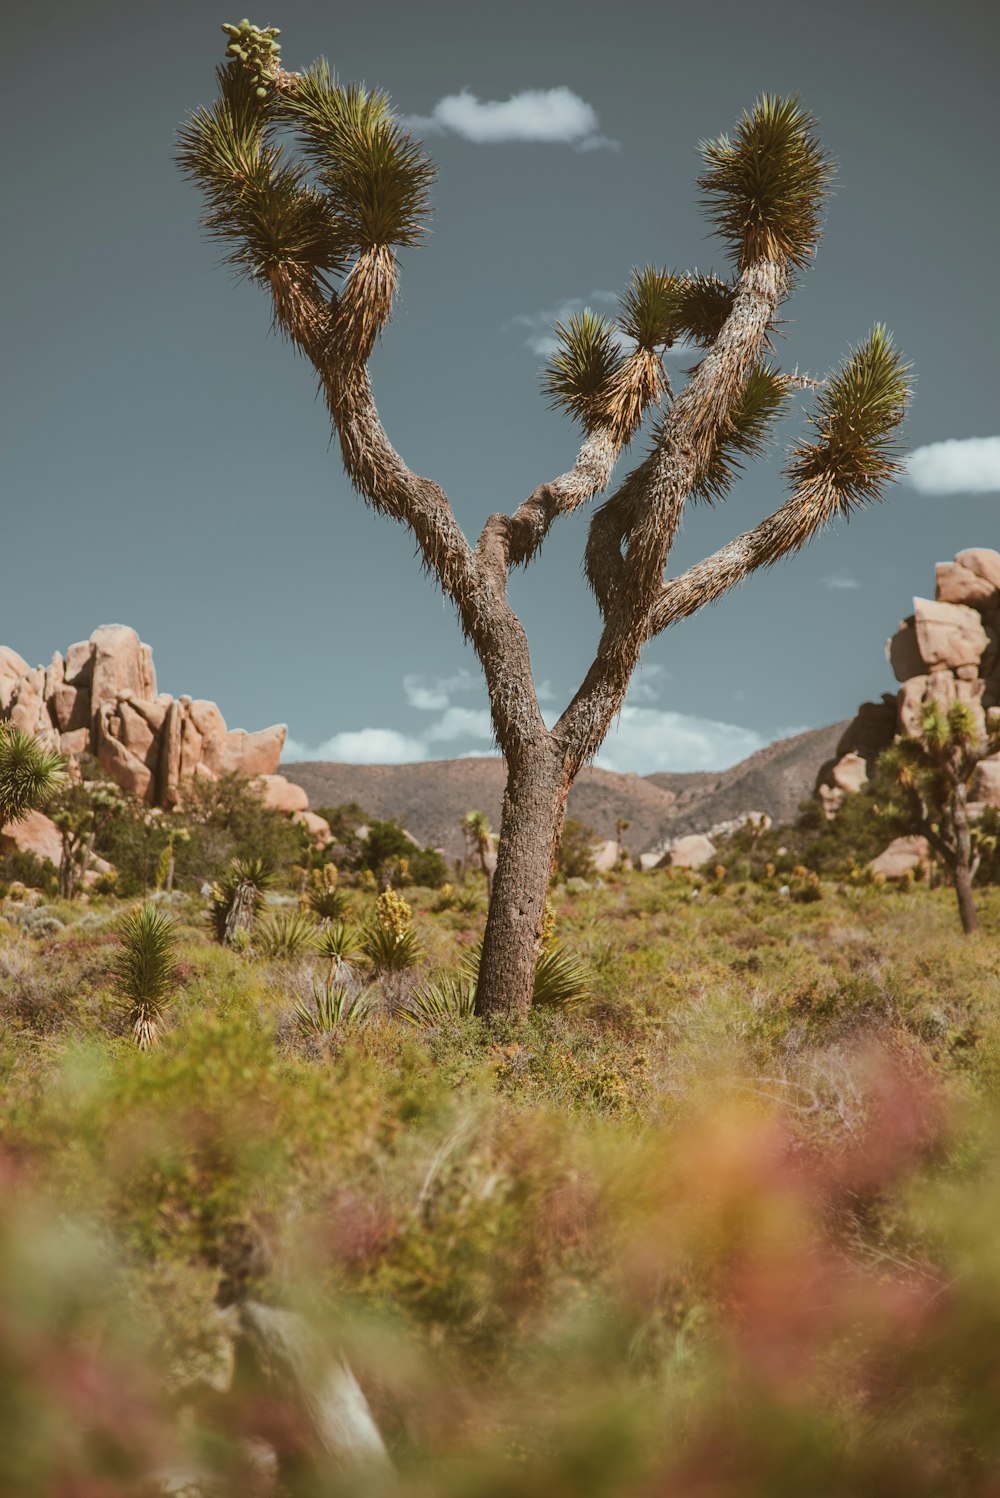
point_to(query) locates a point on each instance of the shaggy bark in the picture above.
(534, 807)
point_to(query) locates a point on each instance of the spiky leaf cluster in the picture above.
(856, 419)
(764, 187)
(648, 307)
(286, 935)
(333, 1005)
(376, 177)
(745, 433)
(261, 207)
(578, 376)
(29, 774)
(255, 51)
(438, 1002)
(145, 971)
(703, 304)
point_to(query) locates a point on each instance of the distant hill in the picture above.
(429, 798)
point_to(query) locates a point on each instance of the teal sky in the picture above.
(165, 462)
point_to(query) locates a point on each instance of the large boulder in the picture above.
(955, 583)
(120, 663)
(35, 833)
(904, 855)
(281, 795)
(254, 753)
(691, 852)
(12, 668)
(984, 564)
(941, 687)
(937, 636)
(317, 827)
(986, 784)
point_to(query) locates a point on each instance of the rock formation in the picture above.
(947, 650)
(101, 698)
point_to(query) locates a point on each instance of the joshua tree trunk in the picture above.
(962, 864)
(534, 807)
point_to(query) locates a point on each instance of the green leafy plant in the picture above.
(29, 774)
(145, 971)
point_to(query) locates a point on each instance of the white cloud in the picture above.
(538, 326)
(461, 723)
(647, 683)
(432, 693)
(362, 746)
(840, 582)
(966, 465)
(553, 116)
(648, 739)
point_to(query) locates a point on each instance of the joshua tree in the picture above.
(29, 774)
(319, 232)
(478, 841)
(932, 774)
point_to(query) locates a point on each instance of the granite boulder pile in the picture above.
(101, 699)
(947, 650)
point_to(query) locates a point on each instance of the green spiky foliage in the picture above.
(648, 307)
(562, 980)
(436, 1003)
(337, 942)
(259, 205)
(286, 935)
(746, 431)
(233, 901)
(764, 187)
(389, 951)
(856, 419)
(29, 774)
(578, 377)
(328, 903)
(145, 971)
(376, 177)
(332, 1007)
(703, 304)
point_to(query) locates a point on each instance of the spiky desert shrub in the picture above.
(234, 900)
(285, 935)
(332, 1006)
(145, 971)
(434, 1003)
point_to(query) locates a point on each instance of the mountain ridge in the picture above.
(430, 796)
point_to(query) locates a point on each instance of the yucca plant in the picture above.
(387, 950)
(285, 935)
(145, 971)
(332, 1006)
(436, 1002)
(234, 901)
(318, 227)
(29, 774)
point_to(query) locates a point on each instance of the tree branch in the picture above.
(787, 530)
(380, 475)
(513, 540)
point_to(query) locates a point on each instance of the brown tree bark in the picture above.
(534, 808)
(962, 864)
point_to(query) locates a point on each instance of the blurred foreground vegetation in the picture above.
(727, 1228)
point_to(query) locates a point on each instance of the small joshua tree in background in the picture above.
(146, 971)
(932, 775)
(235, 901)
(479, 843)
(29, 774)
(320, 232)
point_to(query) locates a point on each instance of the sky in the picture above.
(165, 462)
